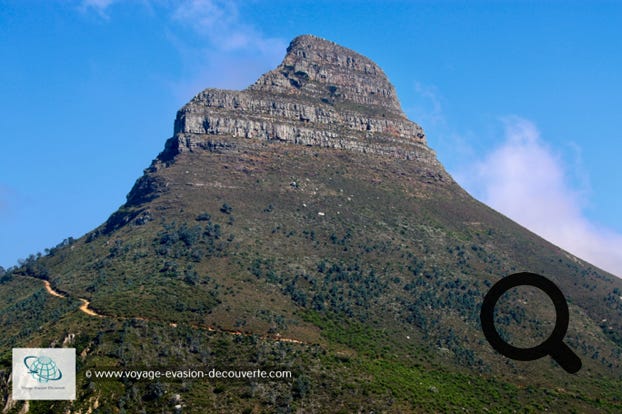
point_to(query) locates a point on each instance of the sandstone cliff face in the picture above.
(313, 65)
(322, 94)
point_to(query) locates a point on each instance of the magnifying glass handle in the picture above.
(566, 358)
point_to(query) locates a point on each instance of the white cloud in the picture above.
(219, 21)
(218, 48)
(526, 181)
(99, 6)
(431, 109)
(207, 16)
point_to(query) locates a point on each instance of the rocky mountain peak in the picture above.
(320, 68)
(322, 94)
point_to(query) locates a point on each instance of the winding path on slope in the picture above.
(85, 303)
(85, 309)
(51, 291)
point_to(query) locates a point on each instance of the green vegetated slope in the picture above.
(275, 232)
(379, 271)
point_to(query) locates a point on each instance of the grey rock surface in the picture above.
(322, 94)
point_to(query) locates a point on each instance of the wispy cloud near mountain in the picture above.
(525, 180)
(232, 51)
(217, 47)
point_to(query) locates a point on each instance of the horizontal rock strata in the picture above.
(322, 94)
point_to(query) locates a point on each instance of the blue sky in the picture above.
(520, 99)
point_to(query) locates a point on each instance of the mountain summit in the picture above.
(304, 224)
(322, 69)
(322, 94)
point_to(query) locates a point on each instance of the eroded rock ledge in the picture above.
(322, 94)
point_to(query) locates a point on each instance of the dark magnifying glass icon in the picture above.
(554, 345)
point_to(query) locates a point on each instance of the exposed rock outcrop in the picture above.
(322, 94)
